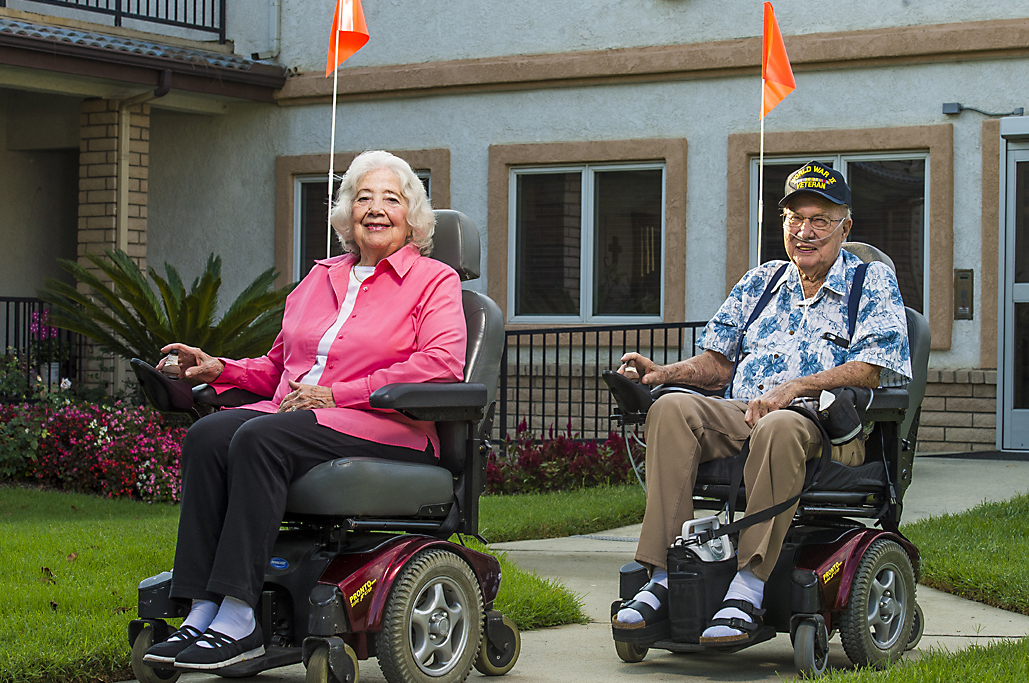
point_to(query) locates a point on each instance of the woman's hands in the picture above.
(194, 365)
(307, 397)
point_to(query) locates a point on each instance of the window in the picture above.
(310, 220)
(586, 243)
(889, 194)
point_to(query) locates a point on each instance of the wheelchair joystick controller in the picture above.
(171, 364)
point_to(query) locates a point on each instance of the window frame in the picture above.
(425, 175)
(315, 166)
(840, 162)
(937, 138)
(589, 174)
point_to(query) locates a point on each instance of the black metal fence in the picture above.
(33, 350)
(550, 377)
(201, 15)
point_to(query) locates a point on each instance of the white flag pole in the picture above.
(332, 138)
(761, 174)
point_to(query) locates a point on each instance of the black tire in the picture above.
(917, 627)
(630, 653)
(876, 624)
(432, 622)
(491, 661)
(318, 670)
(811, 648)
(143, 671)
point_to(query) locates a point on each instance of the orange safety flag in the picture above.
(348, 35)
(775, 65)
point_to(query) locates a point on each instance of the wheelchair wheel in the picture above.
(811, 648)
(630, 653)
(432, 622)
(876, 624)
(496, 659)
(917, 627)
(143, 671)
(318, 670)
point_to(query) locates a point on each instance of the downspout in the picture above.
(274, 30)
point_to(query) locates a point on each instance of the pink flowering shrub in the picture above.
(558, 463)
(118, 451)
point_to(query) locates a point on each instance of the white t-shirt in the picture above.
(358, 274)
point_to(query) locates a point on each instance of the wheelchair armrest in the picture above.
(230, 398)
(433, 402)
(163, 393)
(888, 404)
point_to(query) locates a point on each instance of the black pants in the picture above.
(236, 469)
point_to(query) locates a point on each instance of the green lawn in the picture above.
(998, 663)
(72, 562)
(979, 554)
(565, 513)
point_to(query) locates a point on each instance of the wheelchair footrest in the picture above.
(272, 658)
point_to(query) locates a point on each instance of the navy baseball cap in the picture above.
(819, 179)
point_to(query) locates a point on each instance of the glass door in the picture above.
(1014, 384)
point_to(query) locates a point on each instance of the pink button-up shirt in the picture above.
(407, 326)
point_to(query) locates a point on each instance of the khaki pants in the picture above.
(684, 430)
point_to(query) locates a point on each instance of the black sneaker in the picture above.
(166, 651)
(222, 650)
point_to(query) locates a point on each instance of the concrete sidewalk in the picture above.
(589, 566)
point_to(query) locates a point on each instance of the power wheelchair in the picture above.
(362, 566)
(835, 572)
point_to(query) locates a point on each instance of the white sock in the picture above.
(235, 619)
(745, 586)
(200, 616)
(631, 616)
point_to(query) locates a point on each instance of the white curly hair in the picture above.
(420, 218)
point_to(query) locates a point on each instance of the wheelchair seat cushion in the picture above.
(869, 477)
(369, 487)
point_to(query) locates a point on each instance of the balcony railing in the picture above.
(200, 15)
(35, 350)
(550, 377)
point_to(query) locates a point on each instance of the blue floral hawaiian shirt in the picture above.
(786, 342)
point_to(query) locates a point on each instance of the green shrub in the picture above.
(558, 463)
(130, 320)
(118, 451)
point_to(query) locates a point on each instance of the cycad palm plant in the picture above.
(131, 320)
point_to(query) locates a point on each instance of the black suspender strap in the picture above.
(766, 296)
(855, 298)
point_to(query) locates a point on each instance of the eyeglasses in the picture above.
(820, 223)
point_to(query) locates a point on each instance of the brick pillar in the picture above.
(114, 157)
(108, 218)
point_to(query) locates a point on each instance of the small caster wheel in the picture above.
(497, 657)
(917, 627)
(811, 648)
(630, 652)
(318, 670)
(143, 671)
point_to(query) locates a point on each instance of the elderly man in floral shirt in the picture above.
(797, 347)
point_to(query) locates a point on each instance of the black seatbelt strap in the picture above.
(766, 296)
(810, 480)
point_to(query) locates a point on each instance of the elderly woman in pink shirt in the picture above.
(379, 314)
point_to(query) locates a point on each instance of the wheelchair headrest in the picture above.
(456, 243)
(868, 253)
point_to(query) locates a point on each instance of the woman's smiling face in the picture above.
(380, 216)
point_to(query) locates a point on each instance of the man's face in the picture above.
(812, 249)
